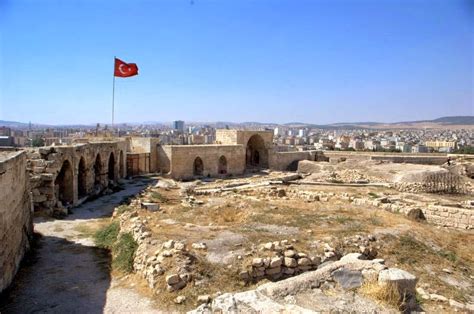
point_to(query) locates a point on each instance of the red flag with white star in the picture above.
(123, 69)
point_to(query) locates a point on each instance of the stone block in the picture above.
(403, 280)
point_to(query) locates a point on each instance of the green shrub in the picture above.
(106, 237)
(124, 252)
(122, 209)
(123, 247)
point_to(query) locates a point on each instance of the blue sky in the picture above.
(240, 60)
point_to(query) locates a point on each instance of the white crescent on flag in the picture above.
(124, 69)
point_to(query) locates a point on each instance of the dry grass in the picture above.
(386, 294)
(253, 214)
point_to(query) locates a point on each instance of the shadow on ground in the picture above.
(59, 276)
(62, 276)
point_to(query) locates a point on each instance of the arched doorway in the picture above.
(222, 166)
(256, 153)
(64, 184)
(98, 170)
(121, 170)
(82, 178)
(198, 167)
(111, 170)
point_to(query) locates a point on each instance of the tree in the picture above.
(37, 142)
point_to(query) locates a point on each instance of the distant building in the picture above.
(4, 131)
(178, 125)
(419, 149)
(442, 145)
(6, 141)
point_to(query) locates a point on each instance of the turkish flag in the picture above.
(123, 69)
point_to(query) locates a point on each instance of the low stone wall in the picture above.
(462, 218)
(16, 225)
(289, 160)
(415, 158)
(423, 160)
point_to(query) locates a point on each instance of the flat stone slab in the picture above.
(348, 279)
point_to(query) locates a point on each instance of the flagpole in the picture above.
(113, 96)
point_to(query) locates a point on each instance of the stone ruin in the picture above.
(65, 176)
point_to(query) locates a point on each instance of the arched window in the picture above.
(198, 167)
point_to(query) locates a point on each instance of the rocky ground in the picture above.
(268, 240)
(200, 239)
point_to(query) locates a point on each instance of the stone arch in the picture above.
(82, 178)
(222, 165)
(198, 167)
(293, 166)
(64, 185)
(111, 167)
(256, 154)
(98, 170)
(121, 165)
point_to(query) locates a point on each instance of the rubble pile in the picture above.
(169, 261)
(282, 261)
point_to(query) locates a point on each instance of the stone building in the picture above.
(235, 152)
(64, 176)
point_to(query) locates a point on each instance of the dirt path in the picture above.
(67, 273)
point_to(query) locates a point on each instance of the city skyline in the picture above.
(241, 61)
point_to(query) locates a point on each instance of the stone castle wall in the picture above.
(87, 170)
(183, 157)
(16, 225)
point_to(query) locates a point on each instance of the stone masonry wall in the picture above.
(283, 160)
(16, 225)
(146, 145)
(164, 158)
(453, 217)
(233, 137)
(183, 156)
(45, 164)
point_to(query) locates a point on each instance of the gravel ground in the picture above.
(66, 273)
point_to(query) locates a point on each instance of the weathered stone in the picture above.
(272, 271)
(438, 298)
(304, 261)
(168, 244)
(289, 253)
(180, 299)
(172, 279)
(199, 246)
(403, 280)
(276, 261)
(257, 262)
(268, 246)
(244, 275)
(348, 279)
(203, 299)
(289, 262)
(179, 246)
